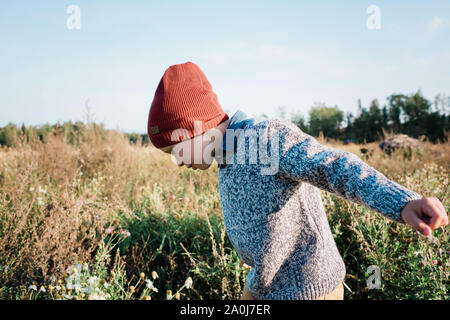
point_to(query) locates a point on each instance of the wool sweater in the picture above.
(276, 222)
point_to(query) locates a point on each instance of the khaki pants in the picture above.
(336, 294)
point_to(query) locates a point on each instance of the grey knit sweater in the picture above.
(277, 222)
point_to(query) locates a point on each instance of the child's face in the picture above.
(192, 153)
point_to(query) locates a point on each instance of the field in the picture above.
(105, 219)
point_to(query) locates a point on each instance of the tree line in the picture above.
(411, 114)
(71, 132)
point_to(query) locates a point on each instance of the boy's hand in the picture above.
(425, 215)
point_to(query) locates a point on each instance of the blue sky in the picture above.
(258, 55)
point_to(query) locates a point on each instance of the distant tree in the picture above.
(416, 107)
(416, 111)
(435, 125)
(8, 135)
(385, 121)
(349, 127)
(325, 119)
(442, 103)
(134, 138)
(299, 120)
(145, 139)
(375, 121)
(43, 132)
(361, 125)
(396, 103)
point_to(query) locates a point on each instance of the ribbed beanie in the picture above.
(183, 95)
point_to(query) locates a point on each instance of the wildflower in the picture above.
(76, 268)
(188, 283)
(169, 295)
(96, 296)
(154, 275)
(435, 262)
(40, 201)
(85, 266)
(86, 290)
(177, 296)
(109, 230)
(32, 287)
(142, 275)
(150, 285)
(42, 190)
(93, 280)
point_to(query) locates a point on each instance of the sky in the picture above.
(258, 55)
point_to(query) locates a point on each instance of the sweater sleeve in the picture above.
(340, 172)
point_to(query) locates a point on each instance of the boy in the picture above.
(269, 176)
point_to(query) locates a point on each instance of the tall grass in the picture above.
(129, 215)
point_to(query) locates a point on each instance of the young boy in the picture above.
(270, 173)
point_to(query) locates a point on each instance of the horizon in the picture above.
(91, 119)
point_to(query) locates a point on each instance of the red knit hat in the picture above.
(184, 95)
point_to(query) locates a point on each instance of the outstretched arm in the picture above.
(346, 175)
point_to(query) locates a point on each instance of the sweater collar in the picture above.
(239, 120)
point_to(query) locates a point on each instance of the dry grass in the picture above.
(58, 200)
